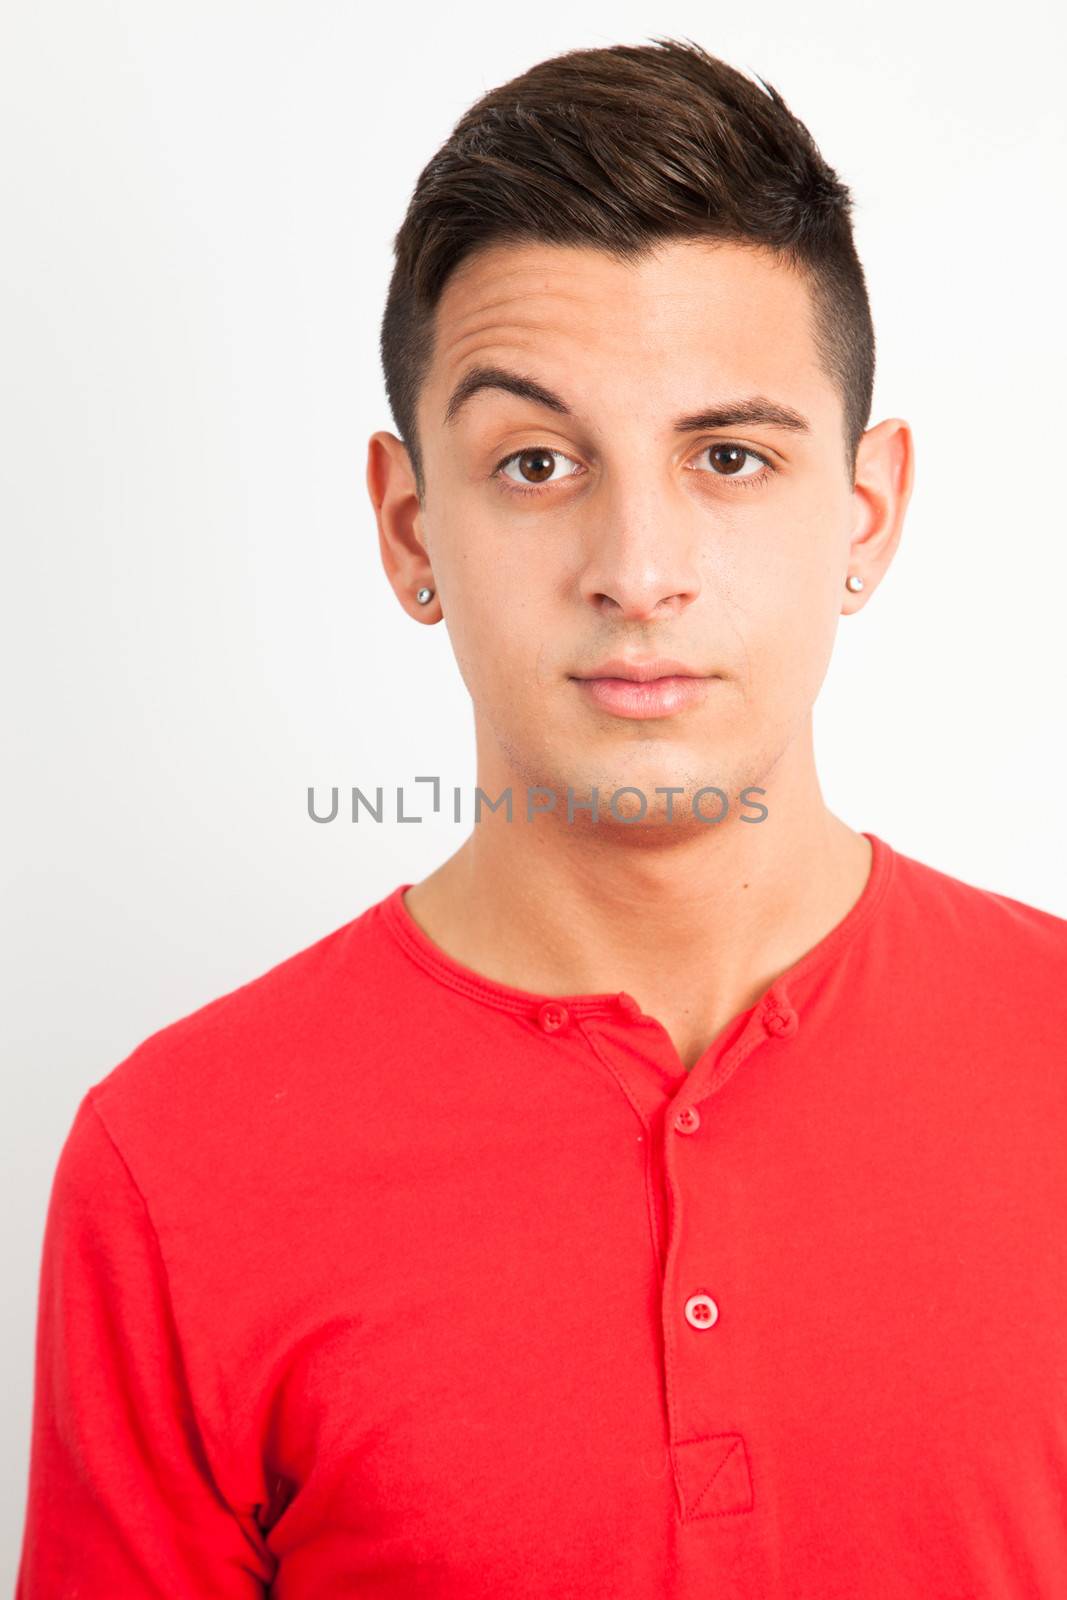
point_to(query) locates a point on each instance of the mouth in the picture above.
(644, 688)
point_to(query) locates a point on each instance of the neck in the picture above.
(693, 920)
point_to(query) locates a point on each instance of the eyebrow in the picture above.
(727, 414)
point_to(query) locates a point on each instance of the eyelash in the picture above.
(540, 488)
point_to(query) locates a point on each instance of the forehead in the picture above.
(698, 315)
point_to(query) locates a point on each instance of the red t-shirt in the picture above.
(377, 1277)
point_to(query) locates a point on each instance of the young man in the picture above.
(666, 1196)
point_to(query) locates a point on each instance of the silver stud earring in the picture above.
(854, 582)
(424, 596)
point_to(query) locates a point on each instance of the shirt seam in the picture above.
(522, 1004)
(645, 1122)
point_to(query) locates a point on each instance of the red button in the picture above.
(687, 1120)
(628, 1004)
(780, 1024)
(552, 1016)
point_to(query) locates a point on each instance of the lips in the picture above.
(642, 689)
(641, 671)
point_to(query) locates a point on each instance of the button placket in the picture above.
(712, 1470)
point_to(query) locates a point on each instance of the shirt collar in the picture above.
(526, 1002)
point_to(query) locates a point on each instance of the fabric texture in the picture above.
(377, 1277)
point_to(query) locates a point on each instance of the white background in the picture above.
(197, 204)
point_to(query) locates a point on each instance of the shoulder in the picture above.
(291, 1023)
(952, 920)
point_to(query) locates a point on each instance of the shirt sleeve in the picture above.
(122, 1500)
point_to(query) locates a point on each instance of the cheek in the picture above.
(498, 600)
(497, 634)
(473, 587)
(790, 612)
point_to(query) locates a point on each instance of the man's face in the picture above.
(632, 525)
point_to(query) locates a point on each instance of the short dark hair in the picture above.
(620, 148)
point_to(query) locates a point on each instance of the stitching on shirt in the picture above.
(650, 1200)
(732, 1511)
(837, 940)
(883, 862)
(729, 1454)
(621, 1081)
(443, 974)
(731, 1061)
(522, 1003)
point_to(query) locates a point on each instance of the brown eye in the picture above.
(730, 457)
(728, 461)
(536, 465)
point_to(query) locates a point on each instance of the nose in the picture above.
(642, 557)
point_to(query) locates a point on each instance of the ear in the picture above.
(394, 496)
(885, 471)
